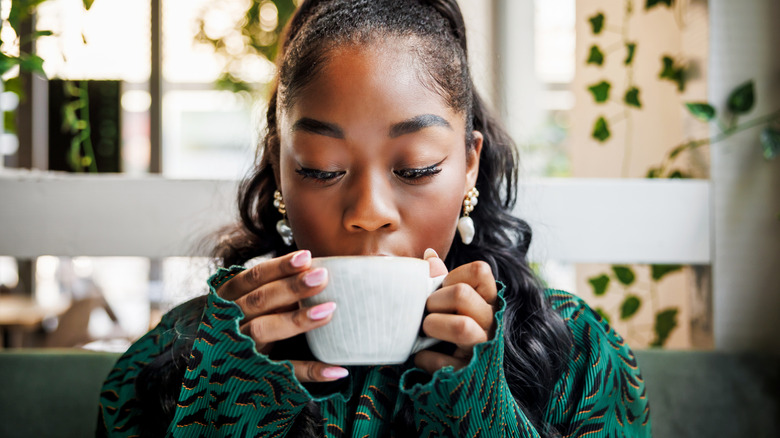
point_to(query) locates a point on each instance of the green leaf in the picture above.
(32, 64)
(770, 143)
(596, 56)
(631, 48)
(16, 15)
(629, 307)
(601, 130)
(602, 313)
(7, 63)
(659, 271)
(599, 284)
(652, 3)
(742, 98)
(653, 172)
(701, 110)
(20, 11)
(632, 97)
(42, 33)
(88, 4)
(597, 23)
(678, 174)
(624, 274)
(665, 322)
(9, 122)
(673, 72)
(600, 91)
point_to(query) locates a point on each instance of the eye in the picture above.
(420, 174)
(321, 176)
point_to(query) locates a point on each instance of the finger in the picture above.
(437, 265)
(277, 326)
(457, 329)
(432, 361)
(265, 272)
(309, 371)
(461, 299)
(479, 276)
(283, 294)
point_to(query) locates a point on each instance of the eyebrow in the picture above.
(408, 126)
(317, 127)
(417, 123)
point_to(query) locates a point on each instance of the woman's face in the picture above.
(371, 161)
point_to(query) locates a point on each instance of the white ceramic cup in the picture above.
(380, 303)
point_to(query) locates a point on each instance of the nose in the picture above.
(370, 204)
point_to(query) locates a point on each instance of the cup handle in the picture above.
(424, 342)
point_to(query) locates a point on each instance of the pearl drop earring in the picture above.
(283, 226)
(465, 223)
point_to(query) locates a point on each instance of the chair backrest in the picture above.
(692, 394)
(574, 220)
(51, 393)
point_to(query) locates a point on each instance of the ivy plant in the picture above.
(622, 280)
(75, 113)
(740, 101)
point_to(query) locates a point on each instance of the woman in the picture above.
(378, 143)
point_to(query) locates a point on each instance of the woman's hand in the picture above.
(461, 312)
(268, 294)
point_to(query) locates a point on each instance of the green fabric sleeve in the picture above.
(228, 386)
(472, 401)
(602, 392)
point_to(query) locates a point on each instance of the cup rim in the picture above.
(366, 257)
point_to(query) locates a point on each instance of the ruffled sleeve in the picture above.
(600, 394)
(472, 401)
(228, 386)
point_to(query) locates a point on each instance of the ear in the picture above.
(472, 161)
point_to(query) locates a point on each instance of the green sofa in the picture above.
(47, 393)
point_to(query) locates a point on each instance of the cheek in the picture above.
(434, 219)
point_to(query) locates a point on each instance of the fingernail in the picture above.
(335, 373)
(321, 311)
(300, 259)
(430, 252)
(315, 277)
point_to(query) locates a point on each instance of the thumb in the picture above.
(436, 264)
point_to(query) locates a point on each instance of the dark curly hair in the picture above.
(537, 341)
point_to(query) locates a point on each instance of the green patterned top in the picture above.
(229, 389)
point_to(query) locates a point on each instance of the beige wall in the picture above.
(640, 139)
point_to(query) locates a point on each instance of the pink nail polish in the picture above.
(335, 373)
(300, 259)
(315, 277)
(321, 311)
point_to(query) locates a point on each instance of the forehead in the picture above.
(379, 81)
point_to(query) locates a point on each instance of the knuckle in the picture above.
(462, 293)
(297, 285)
(299, 318)
(461, 328)
(440, 362)
(258, 329)
(311, 373)
(481, 269)
(255, 275)
(256, 300)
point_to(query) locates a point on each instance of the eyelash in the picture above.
(414, 175)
